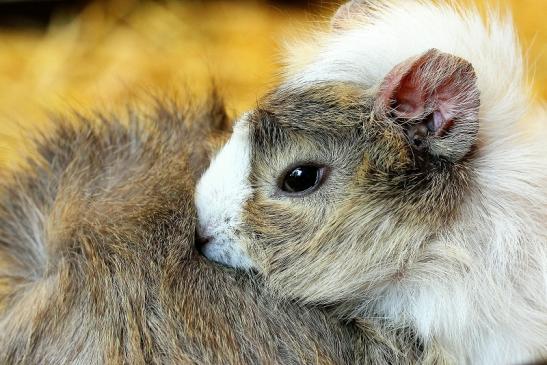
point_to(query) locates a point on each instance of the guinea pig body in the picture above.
(398, 172)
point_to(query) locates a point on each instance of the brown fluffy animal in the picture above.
(98, 266)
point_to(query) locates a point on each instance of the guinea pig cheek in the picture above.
(221, 194)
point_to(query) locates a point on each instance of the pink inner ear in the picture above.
(400, 94)
(408, 100)
(436, 84)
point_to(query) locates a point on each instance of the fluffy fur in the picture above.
(97, 263)
(447, 237)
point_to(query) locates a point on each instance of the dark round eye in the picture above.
(302, 179)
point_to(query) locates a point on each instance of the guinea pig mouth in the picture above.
(200, 242)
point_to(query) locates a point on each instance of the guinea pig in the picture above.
(98, 265)
(398, 172)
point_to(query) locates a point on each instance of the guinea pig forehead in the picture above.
(311, 112)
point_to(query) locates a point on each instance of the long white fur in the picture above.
(490, 307)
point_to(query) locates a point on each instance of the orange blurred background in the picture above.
(111, 52)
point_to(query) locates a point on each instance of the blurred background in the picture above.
(59, 56)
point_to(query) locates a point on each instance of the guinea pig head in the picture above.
(331, 189)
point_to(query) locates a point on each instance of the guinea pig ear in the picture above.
(436, 99)
(348, 11)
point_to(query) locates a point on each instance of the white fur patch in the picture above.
(220, 195)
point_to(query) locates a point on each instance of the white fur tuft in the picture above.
(220, 195)
(392, 31)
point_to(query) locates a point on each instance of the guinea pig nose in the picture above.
(201, 241)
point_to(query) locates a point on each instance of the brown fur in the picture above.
(97, 262)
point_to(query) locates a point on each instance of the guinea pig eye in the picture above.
(302, 179)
